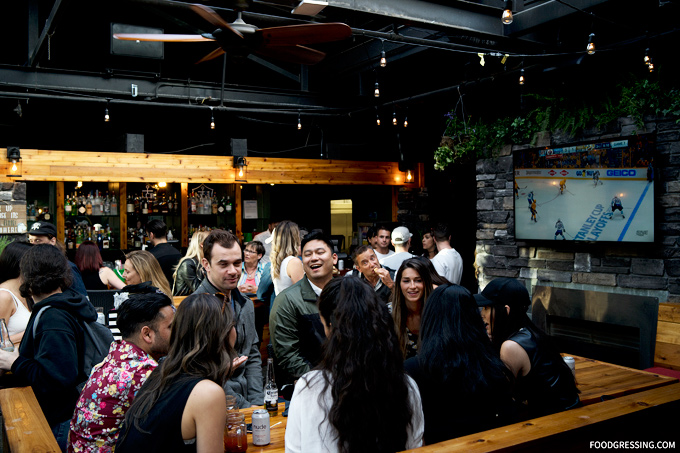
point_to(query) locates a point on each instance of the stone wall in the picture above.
(650, 270)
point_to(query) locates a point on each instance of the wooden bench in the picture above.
(176, 300)
(667, 350)
(24, 426)
(643, 416)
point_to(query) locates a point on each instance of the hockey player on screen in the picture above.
(559, 226)
(616, 205)
(533, 210)
(596, 177)
(516, 191)
(530, 198)
(563, 186)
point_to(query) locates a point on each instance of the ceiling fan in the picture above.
(286, 43)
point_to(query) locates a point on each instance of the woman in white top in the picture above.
(286, 267)
(13, 307)
(358, 398)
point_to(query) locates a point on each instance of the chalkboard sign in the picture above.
(13, 218)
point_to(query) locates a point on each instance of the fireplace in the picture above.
(615, 328)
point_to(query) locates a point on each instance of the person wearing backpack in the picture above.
(51, 356)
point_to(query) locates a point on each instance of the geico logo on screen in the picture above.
(621, 172)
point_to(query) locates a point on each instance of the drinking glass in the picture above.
(5, 343)
(235, 434)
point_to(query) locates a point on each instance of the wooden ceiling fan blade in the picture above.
(162, 37)
(292, 54)
(212, 55)
(291, 35)
(213, 18)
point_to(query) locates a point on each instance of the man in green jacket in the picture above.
(294, 324)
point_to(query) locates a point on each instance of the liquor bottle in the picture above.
(145, 206)
(271, 392)
(214, 205)
(114, 204)
(70, 242)
(164, 205)
(138, 207)
(107, 205)
(67, 206)
(193, 205)
(81, 205)
(130, 205)
(88, 205)
(171, 205)
(230, 206)
(79, 237)
(100, 240)
(96, 204)
(47, 217)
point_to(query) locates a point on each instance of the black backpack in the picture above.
(98, 339)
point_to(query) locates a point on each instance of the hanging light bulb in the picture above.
(212, 119)
(650, 65)
(299, 122)
(406, 121)
(506, 17)
(376, 92)
(383, 59)
(521, 76)
(409, 176)
(394, 118)
(377, 119)
(107, 118)
(591, 44)
(14, 166)
(647, 58)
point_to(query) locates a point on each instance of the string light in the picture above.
(406, 121)
(591, 44)
(506, 17)
(383, 58)
(376, 92)
(650, 65)
(394, 117)
(521, 76)
(212, 119)
(377, 117)
(647, 58)
(107, 118)
(299, 122)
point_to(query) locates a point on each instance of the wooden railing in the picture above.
(24, 426)
(667, 351)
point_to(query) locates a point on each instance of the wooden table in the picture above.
(596, 379)
(277, 432)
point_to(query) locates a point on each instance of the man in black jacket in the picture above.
(167, 255)
(49, 360)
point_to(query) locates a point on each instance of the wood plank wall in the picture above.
(667, 351)
(51, 165)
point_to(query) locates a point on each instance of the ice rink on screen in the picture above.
(585, 210)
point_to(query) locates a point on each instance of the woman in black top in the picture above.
(464, 386)
(182, 406)
(95, 275)
(544, 381)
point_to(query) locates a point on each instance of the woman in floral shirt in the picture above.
(144, 321)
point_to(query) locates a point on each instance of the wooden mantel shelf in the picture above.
(51, 165)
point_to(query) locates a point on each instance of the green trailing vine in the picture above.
(468, 140)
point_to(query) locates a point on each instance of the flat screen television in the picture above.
(598, 191)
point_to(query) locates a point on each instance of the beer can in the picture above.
(261, 433)
(571, 363)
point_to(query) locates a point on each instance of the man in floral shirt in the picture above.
(144, 322)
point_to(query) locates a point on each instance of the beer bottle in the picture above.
(271, 392)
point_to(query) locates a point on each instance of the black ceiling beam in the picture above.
(535, 16)
(99, 88)
(48, 29)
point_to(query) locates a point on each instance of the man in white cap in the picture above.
(401, 240)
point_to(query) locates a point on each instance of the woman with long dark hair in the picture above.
(464, 385)
(14, 307)
(182, 405)
(358, 398)
(408, 299)
(95, 275)
(544, 381)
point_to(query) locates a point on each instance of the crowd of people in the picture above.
(396, 344)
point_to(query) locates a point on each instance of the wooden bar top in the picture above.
(25, 425)
(597, 379)
(278, 432)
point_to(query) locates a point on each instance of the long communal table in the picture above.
(598, 381)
